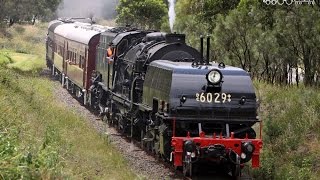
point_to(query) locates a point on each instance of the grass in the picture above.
(30, 40)
(39, 137)
(27, 63)
(25, 46)
(5, 58)
(291, 132)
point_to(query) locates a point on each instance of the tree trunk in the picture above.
(297, 75)
(34, 19)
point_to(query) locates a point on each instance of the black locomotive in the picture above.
(154, 87)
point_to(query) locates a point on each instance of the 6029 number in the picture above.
(213, 97)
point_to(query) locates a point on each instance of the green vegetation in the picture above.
(269, 41)
(39, 137)
(5, 58)
(26, 62)
(30, 40)
(24, 47)
(291, 132)
(18, 11)
(272, 42)
(149, 14)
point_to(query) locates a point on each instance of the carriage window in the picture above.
(68, 55)
(81, 61)
(71, 58)
(60, 50)
(74, 60)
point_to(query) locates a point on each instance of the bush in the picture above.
(4, 59)
(31, 160)
(291, 132)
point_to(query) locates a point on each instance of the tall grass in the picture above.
(25, 47)
(41, 139)
(23, 155)
(26, 39)
(291, 132)
(5, 58)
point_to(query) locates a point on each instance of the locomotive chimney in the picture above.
(175, 38)
(201, 49)
(208, 50)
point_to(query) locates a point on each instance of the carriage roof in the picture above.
(79, 32)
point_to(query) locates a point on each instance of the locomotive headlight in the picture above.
(243, 156)
(247, 151)
(214, 76)
(248, 147)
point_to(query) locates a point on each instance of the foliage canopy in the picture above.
(272, 42)
(13, 11)
(142, 13)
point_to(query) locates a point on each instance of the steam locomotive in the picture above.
(153, 86)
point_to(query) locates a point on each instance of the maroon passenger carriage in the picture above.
(71, 53)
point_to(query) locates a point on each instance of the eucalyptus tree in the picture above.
(142, 13)
(27, 10)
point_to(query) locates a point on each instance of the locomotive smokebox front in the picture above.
(213, 95)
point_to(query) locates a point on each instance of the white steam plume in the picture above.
(84, 8)
(172, 13)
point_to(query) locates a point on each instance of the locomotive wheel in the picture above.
(106, 119)
(121, 124)
(109, 119)
(187, 166)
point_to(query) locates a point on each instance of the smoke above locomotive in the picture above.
(171, 13)
(83, 8)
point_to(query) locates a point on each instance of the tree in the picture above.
(206, 11)
(43, 9)
(27, 10)
(142, 13)
(299, 35)
(236, 35)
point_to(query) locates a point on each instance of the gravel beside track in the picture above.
(139, 161)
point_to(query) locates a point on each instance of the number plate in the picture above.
(213, 97)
